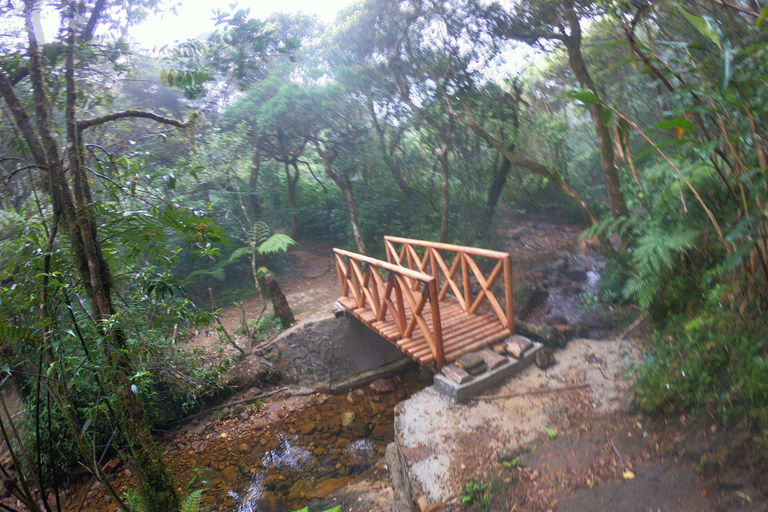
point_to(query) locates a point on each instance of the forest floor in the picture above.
(619, 461)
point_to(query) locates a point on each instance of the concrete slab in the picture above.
(444, 444)
(462, 391)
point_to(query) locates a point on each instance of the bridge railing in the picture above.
(458, 276)
(361, 279)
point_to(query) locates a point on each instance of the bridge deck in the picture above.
(462, 332)
(430, 299)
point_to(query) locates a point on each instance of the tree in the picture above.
(56, 143)
(340, 140)
(537, 22)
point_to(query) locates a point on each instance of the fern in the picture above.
(276, 243)
(218, 273)
(261, 233)
(239, 253)
(653, 252)
(192, 502)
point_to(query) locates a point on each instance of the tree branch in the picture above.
(125, 114)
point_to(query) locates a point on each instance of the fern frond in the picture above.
(261, 232)
(192, 502)
(218, 273)
(239, 253)
(276, 243)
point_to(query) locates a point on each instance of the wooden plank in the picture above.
(437, 328)
(466, 282)
(472, 337)
(478, 344)
(418, 276)
(449, 282)
(474, 251)
(509, 293)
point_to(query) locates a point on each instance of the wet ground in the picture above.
(281, 455)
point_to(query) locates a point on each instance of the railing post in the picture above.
(509, 294)
(465, 278)
(433, 266)
(437, 327)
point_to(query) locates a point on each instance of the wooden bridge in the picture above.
(432, 300)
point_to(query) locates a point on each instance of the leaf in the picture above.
(628, 475)
(763, 15)
(678, 122)
(582, 95)
(552, 433)
(703, 25)
(192, 502)
(276, 243)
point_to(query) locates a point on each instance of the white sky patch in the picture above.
(194, 17)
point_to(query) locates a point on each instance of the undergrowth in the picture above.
(712, 363)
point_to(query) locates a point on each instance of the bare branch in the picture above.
(126, 114)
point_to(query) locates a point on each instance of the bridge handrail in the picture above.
(367, 287)
(432, 259)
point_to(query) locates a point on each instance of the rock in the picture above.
(491, 358)
(566, 331)
(382, 386)
(576, 273)
(308, 429)
(245, 448)
(298, 490)
(545, 358)
(472, 363)
(319, 451)
(347, 418)
(381, 432)
(422, 502)
(517, 345)
(112, 464)
(531, 298)
(272, 502)
(326, 487)
(350, 398)
(199, 429)
(546, 334)
(378, 407)
(499, 348)
(456, 374)
(229, 473)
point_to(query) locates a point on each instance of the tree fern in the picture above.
(652, 253)
(276, 243)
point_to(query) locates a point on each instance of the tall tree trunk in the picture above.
(345, 185)
(444, 186)
(253, 178)
(597, 113)
(72, 206)
(292, 181)
(500, 174)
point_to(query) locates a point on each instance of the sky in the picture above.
(194, 17)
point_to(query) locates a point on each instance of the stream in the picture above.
(309, 454)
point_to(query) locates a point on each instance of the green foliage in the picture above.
(276, 243)
(713, 363)
(474, 491)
